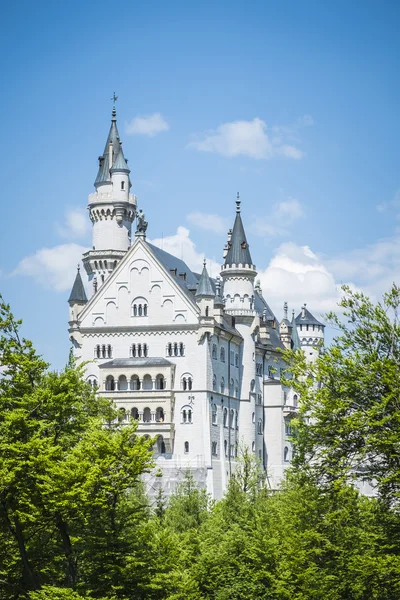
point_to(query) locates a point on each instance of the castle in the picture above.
(195, 360)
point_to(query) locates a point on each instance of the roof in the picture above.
(136, 362)
(238, 248)
(204, 288)
(308, 318)
(295, 335)
(120, 163)
(103, 175)
(78, 293)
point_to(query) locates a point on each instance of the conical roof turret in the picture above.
(103, 175)
(204, 288)
(238, 248)
(78, 294)
(120, 163)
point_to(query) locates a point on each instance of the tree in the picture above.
(59, 465)
(349, 424)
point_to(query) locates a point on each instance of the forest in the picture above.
(75, 521)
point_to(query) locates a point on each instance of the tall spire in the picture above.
(111, 151)
(78, 294)
(238, 248)
(204, 288)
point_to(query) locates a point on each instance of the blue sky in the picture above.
(293, 104)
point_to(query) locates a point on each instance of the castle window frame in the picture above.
(214, 383)
(187, 415)
(225, 415)
(122, 185)
(222, 384)
(286, 454)
(214, 448)
(222, 354)
(214, 351)
(214, 414)
(236, 360)
(186, 448)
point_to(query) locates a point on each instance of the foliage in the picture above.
(349, 425)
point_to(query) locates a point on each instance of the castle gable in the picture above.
(141, 292)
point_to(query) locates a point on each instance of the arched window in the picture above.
(214, 414)
(145, 310)
(214, 351)
(222, 385)
(103, 351)
(169, 350)
(284, 397)
(140, 310)
(232, 419)
(122, 383)
(109, 351)
(225, 417)
(286, 454)
(92, 381)
(135, 311)
(253, 447)
(186, 447)
(160, 417)
(214, 383)
(147, 383)
(121, 415)
(187, 415)
(222, 354)
(214, 448)
(295, 400)
(237, 420)
(190, 383)
(147, 415)
(133, 350)
(134, 383)
(252, 384)
(98, 351)
(110, 383)
(231, 387)
(139, 307)
(181, 349)
(259, 427)
(207, 311)
(139, 350)
(253, 418)
(176, 350)
(237, 391)
(184, 383)
(134, 413)
(160, 445)
(160, 382)
(145, 350)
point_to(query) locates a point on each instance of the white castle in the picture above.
(196, 361)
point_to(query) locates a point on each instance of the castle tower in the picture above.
(205, 294)
(112, 209)
(310, 332)
(76, 301)
(285, 329)
(238, 274)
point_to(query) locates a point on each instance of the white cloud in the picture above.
(209, 222)
(183, 247)
(305, 121)
(77, 224)
(147, 125)
(296, 274)
(54, 268)
(283, 215)
(248, 138)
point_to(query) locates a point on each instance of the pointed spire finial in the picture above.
(238, 203)
(204, 262)
(285, 309)
(79, 267)
(114, 111)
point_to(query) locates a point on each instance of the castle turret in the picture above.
(310, 332)
(76, 301)
(205, 294)
(112, 209)
(285, 328)
(238, 273)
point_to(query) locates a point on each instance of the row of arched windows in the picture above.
(233, 387)
(103, 351)
(145, 416)
(234, 358)
(139, 310)
(147, 383)
(139, 350)
(176, 349)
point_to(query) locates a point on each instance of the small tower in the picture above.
(205, 294)
(112, 209)
(310, 332)
(285, 329)
(219, 306)
(76, 301)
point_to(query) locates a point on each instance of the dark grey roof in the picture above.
(218, 301)
(205, 288)
(136, 362)
(261, 305)
(295, 336)
(238, 252)
(308, 318)
(78, 293)
(103, 175)
(120, 163)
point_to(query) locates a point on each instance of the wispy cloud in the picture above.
(249, 138)
(52, 268)
(148, 125)
(281, 218)
(77, 224)
(207, 221)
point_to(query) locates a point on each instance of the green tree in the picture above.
(349, 424)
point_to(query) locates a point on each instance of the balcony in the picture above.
(289, 410)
